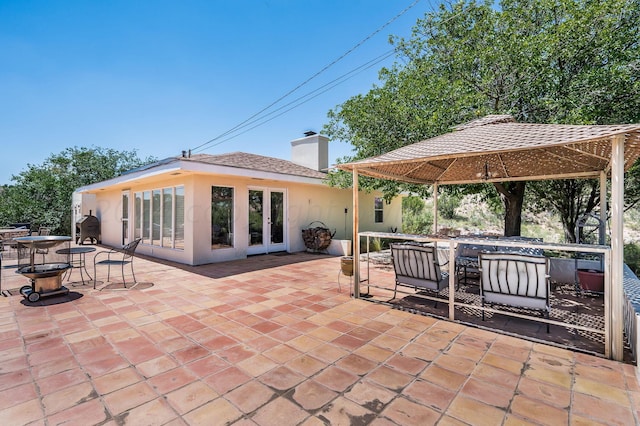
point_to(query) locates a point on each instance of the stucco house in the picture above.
(198, 209)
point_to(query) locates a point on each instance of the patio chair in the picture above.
(524, 249)
(121, 256)
(515, 280)
(417, 266)
(42, 232)
(467, 260)
(9, 242)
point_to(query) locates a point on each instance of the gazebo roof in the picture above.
(496, 148)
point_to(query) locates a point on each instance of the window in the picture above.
(178, 224)
(155, 217)
(377, 209)
(159, 217)
(146, 217)
(221, 217)
(167, 217)
(137, 213)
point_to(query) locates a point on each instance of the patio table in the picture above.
(78, 263)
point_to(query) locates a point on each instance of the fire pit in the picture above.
(43, 266)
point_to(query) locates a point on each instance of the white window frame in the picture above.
(140, 220)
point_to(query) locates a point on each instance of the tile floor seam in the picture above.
(516, 392)
(630, 396)
(101, 397)
(416, 377)
(462, 385)
(33, 380)
(338, 394)
(91, 381)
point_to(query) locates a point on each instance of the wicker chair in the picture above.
(121, 256)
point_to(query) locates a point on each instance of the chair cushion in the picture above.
(417, 265)
(515, 279)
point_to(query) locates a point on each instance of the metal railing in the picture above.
(613, 291)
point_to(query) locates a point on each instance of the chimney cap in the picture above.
(310, 133)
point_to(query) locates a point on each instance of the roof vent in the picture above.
(310, 133)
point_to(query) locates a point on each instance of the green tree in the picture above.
(545, 61)
(416, 219)
(42, 194)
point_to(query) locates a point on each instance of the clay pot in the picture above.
(346, 265)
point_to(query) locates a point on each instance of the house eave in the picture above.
(194, 168)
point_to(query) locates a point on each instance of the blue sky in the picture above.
(163, 76)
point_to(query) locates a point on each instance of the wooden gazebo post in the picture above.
(356, 238)
(615, 290)
(435, 208)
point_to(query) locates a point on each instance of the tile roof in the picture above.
(497, 148)
(243, 160)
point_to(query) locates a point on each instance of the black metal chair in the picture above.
(417, 266)
(120, 256)
(467, 260)
(516, 280)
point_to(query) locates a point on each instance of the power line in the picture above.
(348, 52)
(299, 101)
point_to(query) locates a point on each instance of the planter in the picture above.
(563, 270)
(339, 248)
(591, 280)
(346, 265)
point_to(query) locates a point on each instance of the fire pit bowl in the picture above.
(42, 265)
(43, 271)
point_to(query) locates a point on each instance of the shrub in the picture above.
(632, 257)
(416, 218)
(447, 205)
(375, 244)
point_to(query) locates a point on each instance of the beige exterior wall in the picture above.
(305, 203)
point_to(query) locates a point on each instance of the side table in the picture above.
(79, 262)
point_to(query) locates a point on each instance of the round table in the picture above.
(78, 263)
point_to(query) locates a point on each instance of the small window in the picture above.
(377, 210)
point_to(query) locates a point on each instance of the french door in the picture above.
(267, 220)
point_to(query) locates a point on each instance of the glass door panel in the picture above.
(276, 221)
(267, 221)
(125, 217)
(256, 217)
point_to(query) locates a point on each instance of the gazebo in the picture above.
(496, 148)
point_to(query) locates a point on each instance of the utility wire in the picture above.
(299, 101)
(244, 123)
(262, 120)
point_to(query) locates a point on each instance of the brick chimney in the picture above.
(311, 151)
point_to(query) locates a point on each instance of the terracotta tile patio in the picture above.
(270, 341)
